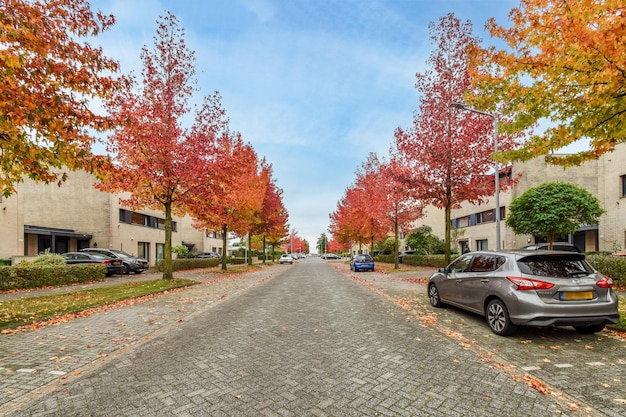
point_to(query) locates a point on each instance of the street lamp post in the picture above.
(462, 106)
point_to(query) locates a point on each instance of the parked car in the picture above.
(362, 262)
(208, 255)
(131, 263)
(513, 288)
(404, 252)
(114, 266)
(330, 256)
(285, 258)
(564, 246)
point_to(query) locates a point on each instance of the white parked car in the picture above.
(285, 258)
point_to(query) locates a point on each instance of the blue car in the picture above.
(362, 262)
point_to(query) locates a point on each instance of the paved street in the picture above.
(304, 340)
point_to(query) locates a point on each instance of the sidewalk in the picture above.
(33, 362)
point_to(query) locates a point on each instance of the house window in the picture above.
(623, 180)
(160, 251)
(482, 244)
(143, 250)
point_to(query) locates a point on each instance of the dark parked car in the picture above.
(568, 247)
(362, 262)
(208, 255)
(330, 256)
(114, 266)
(511, 288)
(131, 263)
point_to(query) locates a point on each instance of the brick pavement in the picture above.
(308, 341)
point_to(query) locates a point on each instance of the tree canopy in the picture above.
(553, 209)
(50, 74)
(564, 65)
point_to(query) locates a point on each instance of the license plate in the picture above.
(116, 262)
(579, 295)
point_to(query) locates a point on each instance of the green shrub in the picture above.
(614, 267)
(47, 258)
(434, 261)
(34, 276)
(184, 264)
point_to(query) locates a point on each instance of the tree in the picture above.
(322, 243)
(230, 196)
(564, 63)
(424, 242)
(445, 157)
(553, 209)
(159, 163)
(49, 78)
(273, 216)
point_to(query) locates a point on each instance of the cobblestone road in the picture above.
(307, 342)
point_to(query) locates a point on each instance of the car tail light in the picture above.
(106, 262)
(524, 284)
(605, 282)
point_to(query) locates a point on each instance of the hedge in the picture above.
(434, 261)
(20, 277)
(182, 264)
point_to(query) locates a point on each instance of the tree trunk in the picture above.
(224, 245)
(167, 256)
(448, 220)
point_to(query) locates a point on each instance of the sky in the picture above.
(313, 85)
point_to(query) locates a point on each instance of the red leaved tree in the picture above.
(273, 217)
(446, 155)
(50, 76)
(230, 197)
(158, 162)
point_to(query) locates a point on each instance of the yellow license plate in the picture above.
(579, 295)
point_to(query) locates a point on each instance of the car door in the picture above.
(450, 289)
(475, 282)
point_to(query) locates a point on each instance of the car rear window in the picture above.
(363, 258)
(561, 266)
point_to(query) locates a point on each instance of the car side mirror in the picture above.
(443, 270)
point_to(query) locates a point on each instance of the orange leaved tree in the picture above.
(156, 161)
(49, 75)
(230, 196)
(564, 63)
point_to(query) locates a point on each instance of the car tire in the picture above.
(126, 269)
(433, 296)
(497, 316)
(594, 328)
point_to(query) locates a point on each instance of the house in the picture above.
(75, 215)
(473, 226)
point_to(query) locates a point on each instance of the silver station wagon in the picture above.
(527, 288)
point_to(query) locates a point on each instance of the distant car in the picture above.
(564, 246)
(208, 255)
(514, 288)
(330, 256)
(131, 263)
(114, 266)
(285, 258)
(405, 252)
(362, 262)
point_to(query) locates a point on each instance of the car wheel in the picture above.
(498, 318)
(594, 328)
(433, 296)
(372, 269)
(126, 269)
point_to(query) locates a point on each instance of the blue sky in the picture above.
(313, 85)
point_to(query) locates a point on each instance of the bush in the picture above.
(434, 261)
(47, 258)
(184, 264)
(612, 266)
(23, 276)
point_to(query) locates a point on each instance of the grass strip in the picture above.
(33, 309)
